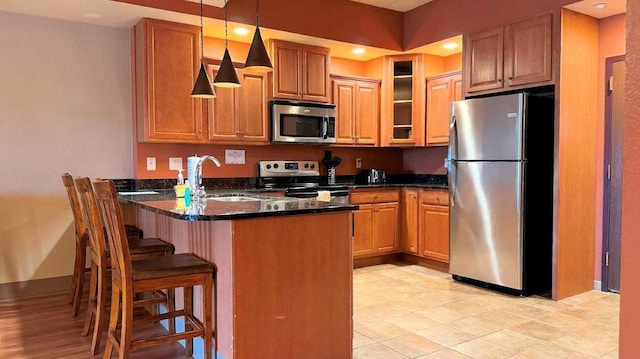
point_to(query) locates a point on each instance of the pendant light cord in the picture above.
(226, 37)
(257, 10)
(201, 31)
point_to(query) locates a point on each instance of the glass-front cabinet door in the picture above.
(403, 122)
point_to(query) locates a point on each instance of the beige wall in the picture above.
(64, 106)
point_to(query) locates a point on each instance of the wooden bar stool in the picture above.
(82, 241)
(130, 277)
(100, 262)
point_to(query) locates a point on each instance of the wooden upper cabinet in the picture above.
(253, 112)
(441, 91)
(528, 51)
(344, 97)
(167, 60)
(357, 110)
(315, 69)
(300, 72)
(402, 105)
(484, 56)
(222, 112)
(515, 56)
(239, 115)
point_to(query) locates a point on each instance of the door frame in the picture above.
(609, 61)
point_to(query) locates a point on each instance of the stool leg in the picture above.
(100, 322)
(113, 321)
(171, 307)
(76, 274)
(188, 309)
(91, 304)
(127, 323)
(82, 255)
(207, 314)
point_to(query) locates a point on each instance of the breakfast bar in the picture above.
(284, 268)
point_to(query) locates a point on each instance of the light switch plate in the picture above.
(175, 163)
(151, 163)
(358, 162)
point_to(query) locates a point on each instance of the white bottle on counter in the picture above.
(191, 170)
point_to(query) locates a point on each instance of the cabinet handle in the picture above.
(499, 80)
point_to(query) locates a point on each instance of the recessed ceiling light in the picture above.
(358, 51)
(450, 45)
(93, 15)
(241, 31)
(600, 5)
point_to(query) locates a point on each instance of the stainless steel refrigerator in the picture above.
(501, 191)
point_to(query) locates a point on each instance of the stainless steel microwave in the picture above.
(302, 122)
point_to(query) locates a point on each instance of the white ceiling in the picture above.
(611, 7)
(397, 5)
(119, 14)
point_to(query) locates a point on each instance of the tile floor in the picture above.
(407, 311)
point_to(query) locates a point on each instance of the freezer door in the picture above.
(487, 129)
(486, 221)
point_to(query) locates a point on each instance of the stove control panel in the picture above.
(288, 168)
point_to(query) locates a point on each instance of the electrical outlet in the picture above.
(175, 163)
(151, 163)
(358, 162)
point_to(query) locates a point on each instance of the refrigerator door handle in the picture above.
(453, 174)
(453, 146)
(453, 138)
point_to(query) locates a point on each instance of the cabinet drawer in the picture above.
(374, 197)
(434, 197)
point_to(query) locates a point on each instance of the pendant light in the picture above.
(202, 87)
(258, 58)
(226, 76)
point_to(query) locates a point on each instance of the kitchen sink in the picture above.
(237, 197)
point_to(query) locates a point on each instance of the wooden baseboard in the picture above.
(376, 260)
(425, 262)
(34, 288)
(400, 257)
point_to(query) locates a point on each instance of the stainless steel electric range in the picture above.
(300, 179)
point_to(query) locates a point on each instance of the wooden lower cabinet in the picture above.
(434, 232)
(433, 221)
(409, 220)
(424, 224)
(363, 225)
(376, 222)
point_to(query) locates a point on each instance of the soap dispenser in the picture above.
(180, 177)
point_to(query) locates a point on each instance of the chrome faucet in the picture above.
(199, 191)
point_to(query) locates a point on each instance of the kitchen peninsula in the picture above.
(284, 283)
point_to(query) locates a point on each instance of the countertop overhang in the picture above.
(210, 209)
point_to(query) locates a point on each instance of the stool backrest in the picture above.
(107, 201)
(81, 229)
(91, 216)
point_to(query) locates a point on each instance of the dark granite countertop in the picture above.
(213, 208)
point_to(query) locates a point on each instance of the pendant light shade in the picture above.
(258, 58)
(226, 76)
(202, 87)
